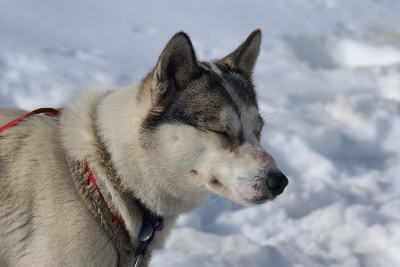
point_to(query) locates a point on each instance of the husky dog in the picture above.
(187, 129)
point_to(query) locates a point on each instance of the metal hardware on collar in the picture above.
(138, 260)
(146, 232)
(146, 235)
(150, 222)
(150, 225)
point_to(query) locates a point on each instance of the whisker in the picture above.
(218, 196)
(220, 205)
(269, 116)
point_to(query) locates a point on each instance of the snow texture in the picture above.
(328, 79)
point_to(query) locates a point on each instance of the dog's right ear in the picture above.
(176, 67)
(245, 56)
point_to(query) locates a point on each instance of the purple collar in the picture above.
(151, 223)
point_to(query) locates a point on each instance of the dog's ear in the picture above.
(176, 67)
(244, 58)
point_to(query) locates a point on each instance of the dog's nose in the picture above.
(276, 182)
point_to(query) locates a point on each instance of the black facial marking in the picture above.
(199, 104)
(242, 85)
(241, 137)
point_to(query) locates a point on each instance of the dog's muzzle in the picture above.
(268, 186)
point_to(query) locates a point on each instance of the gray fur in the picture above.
(188, 129)
(244, 58)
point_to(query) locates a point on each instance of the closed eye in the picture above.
(223, 134)
(228, 138)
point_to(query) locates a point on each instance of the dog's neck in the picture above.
(119, 120)
(79, 138)
(115, 117)
(101, 128)
(101, 209)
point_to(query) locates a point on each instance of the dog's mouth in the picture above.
(215, 182)
(255, 194)
(259, 200)
(254, 191)
(218, 187)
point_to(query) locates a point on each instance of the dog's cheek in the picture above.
(180, 147)
(238, 171)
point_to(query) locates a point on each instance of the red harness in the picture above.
(91, 179)
(150, 220)
(114, 218)
(46, 111)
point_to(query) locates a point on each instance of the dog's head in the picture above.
(203, 129)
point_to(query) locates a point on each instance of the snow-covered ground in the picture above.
(328, 79)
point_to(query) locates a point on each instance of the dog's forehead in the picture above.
(236, 92)
(239, 87)
(218, 99)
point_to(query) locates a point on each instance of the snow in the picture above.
(328, 80)
(352, 54)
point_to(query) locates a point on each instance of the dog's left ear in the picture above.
(176, 67)
(244, 58)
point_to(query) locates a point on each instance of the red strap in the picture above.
(46, 111)
(92, 181)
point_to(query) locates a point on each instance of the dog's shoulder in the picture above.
(8, 114)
